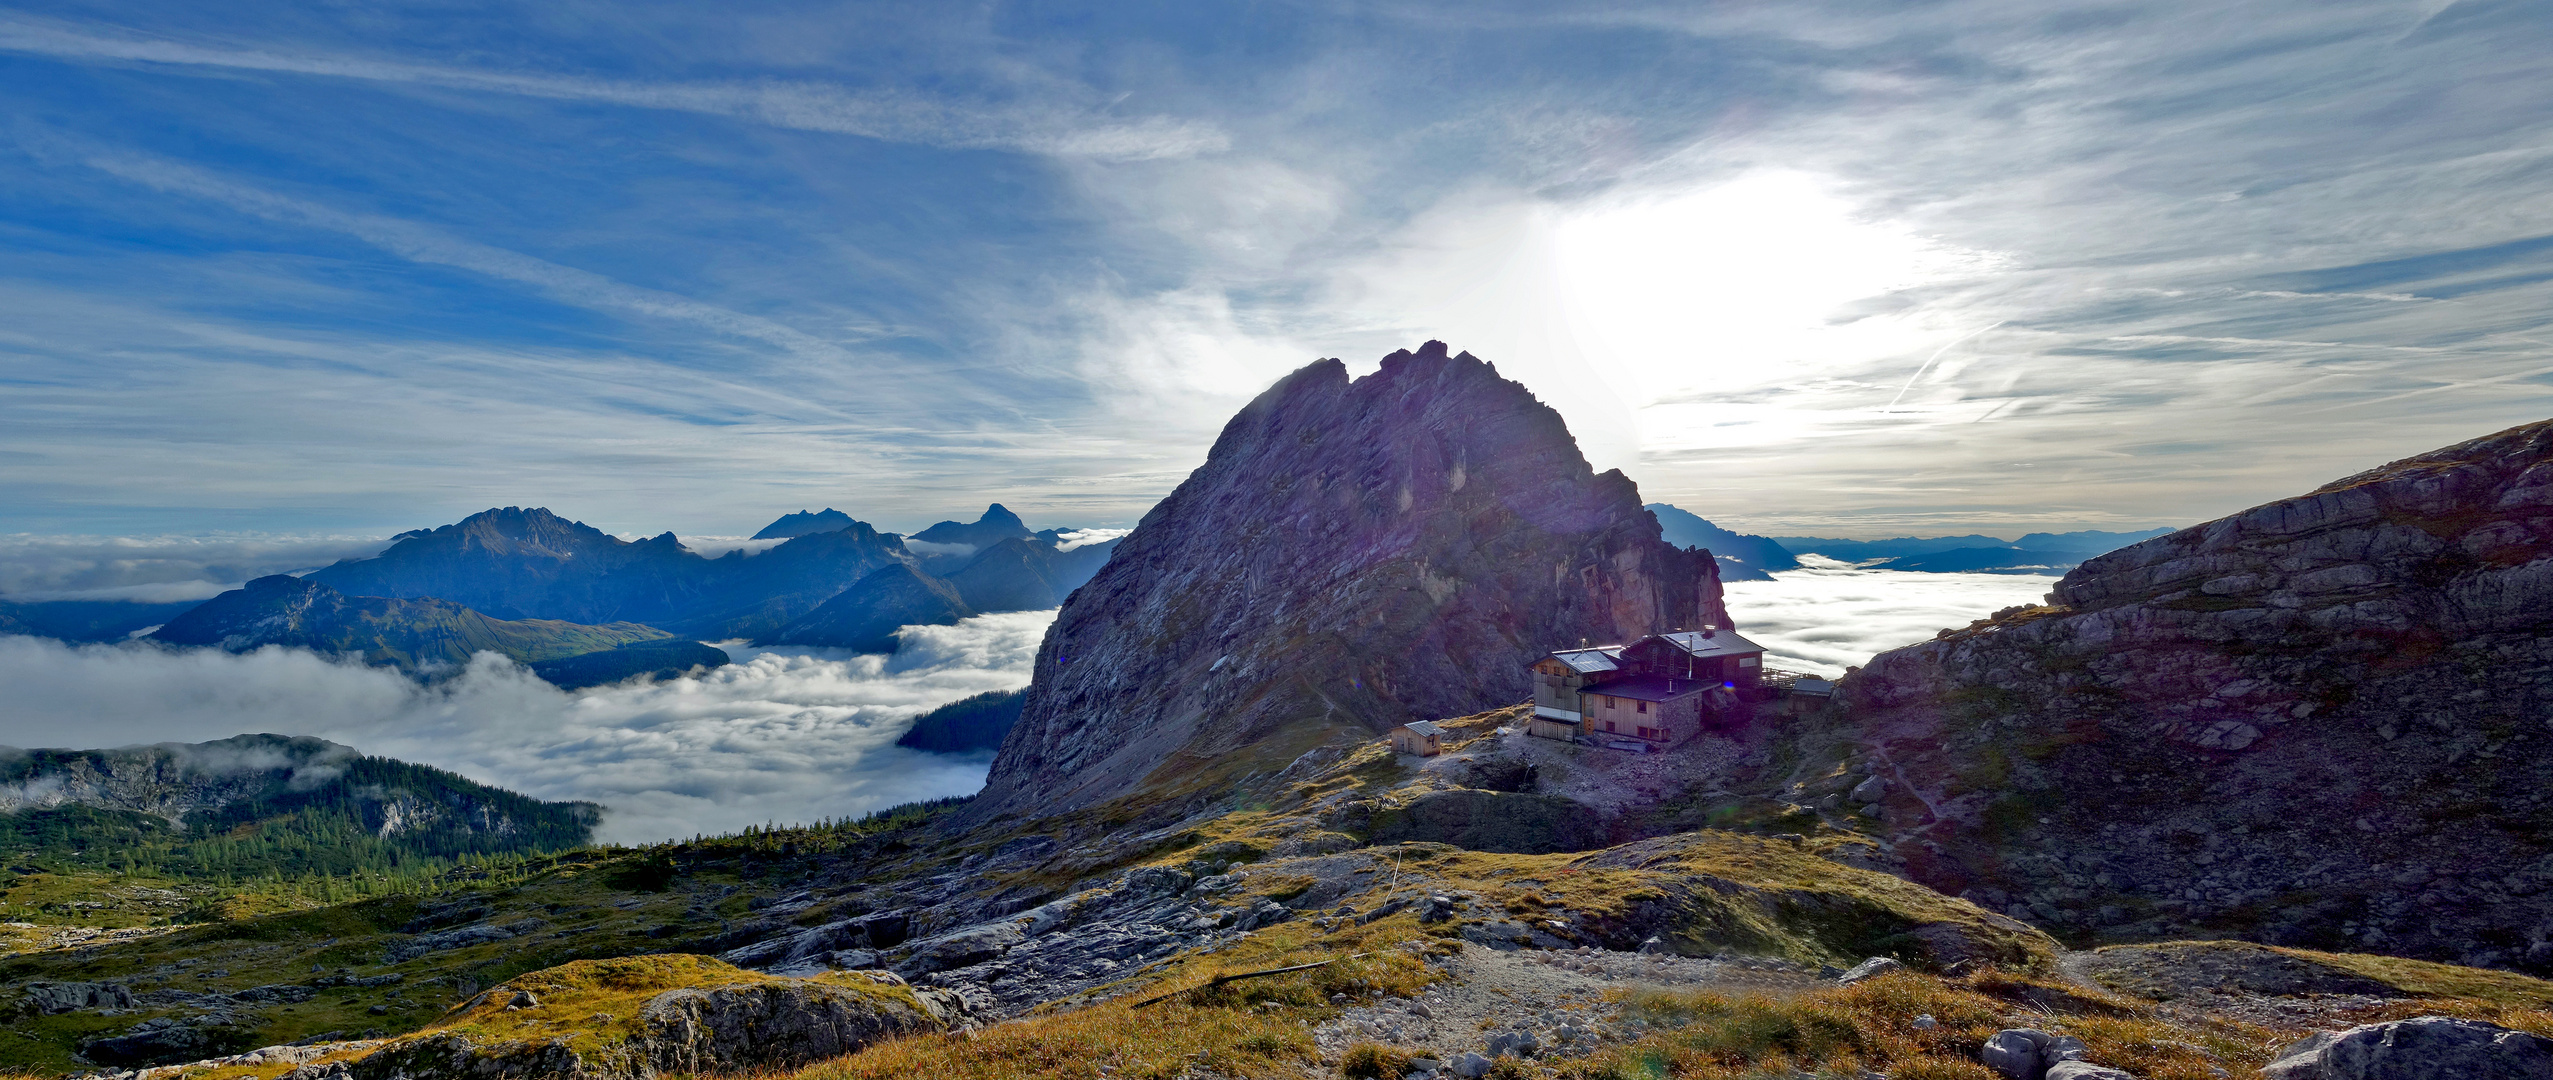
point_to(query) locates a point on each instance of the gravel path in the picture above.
(1567, 1002)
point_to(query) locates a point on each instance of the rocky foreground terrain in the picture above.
(2325, 722)
(925, 947)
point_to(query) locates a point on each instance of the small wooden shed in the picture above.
(1420, 737)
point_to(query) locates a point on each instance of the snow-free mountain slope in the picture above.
(2320, 721)
(1353, 554)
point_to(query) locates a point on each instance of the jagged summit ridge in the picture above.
(1353, 554)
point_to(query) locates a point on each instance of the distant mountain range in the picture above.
(413, 635)
(583, 607)
(1741, 557)
(1744, 557)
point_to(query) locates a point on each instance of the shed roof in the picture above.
(1591, 661)
(1653, 687)
(1424, 727)
(1713, 643)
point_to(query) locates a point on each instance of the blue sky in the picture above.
(1844, 268)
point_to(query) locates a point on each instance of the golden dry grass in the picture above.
(1873, 1026)
(1114, 1040)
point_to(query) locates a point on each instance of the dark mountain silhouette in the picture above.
(1353, 554)
(1742, 557)
(996, 525)
(803, 523)
(515, 563)
(421, 635)
(664, 658)
(867, 615)
(967, 724)
(86, 620)
(2035, 553)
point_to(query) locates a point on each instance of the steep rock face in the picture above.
(2320, 721)
(416, 635)
(1352, 555)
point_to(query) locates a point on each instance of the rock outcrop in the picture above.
(660, 1016)
(2322, 721)
(1353, 554)
(2421, 1048)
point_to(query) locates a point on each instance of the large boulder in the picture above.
(731, 1029)
(644, 1016)
(50, 998)
(2421, 1048)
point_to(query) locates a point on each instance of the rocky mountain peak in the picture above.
(519, 530)
(1353, 554)
(803, 523)
(995, 525)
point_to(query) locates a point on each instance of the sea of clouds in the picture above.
(1829, 615)
(156, 569)
(785, 736)
(778, 736)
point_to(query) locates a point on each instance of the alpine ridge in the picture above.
(2318, 722)
(1352, 555)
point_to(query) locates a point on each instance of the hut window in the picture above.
(1644, 706)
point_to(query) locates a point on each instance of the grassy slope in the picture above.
(1760, 894)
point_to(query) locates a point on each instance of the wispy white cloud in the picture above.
(889, 114)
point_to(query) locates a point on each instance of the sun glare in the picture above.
(1737, 286)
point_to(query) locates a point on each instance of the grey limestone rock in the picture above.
(1376, 550)
(962, 948)
(51, 998)
(2421, 1048)
(735, 1028)
(2017, 1053)
(1870, 969)
(2287, 700)
(2085, 1070)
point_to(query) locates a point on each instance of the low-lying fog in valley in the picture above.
(788, 735)
(1829, 615)
(785, 736)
